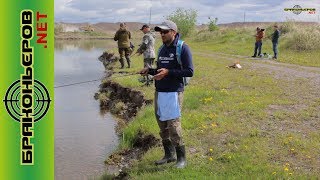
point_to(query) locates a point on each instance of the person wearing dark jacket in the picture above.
(275, 41)
(169, 92)
(123, 37)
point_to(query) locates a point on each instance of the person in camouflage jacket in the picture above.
(147, 49)
(123, 37)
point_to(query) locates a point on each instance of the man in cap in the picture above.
(258, 45)
(123, 37)
(147, 49)
(169, 92)
(275, 40)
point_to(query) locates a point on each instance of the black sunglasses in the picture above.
(164, 31)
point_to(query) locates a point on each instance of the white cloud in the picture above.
(139, 10)
(125, 11)
(242, 6)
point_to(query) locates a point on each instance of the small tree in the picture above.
(58, 28)
(213, 24)
(185, 20)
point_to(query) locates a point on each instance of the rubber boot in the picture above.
(128, 61)
(181, 157)
(275, 56)
(168, 153)
(122, 63)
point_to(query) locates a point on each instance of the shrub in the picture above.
(287, 27)
(205, 35)
(58, 28)
(304, 39)
(213, 24)
(185, 20)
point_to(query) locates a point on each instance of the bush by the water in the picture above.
(58, 28)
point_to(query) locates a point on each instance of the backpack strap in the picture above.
(178, 54)
(178, 51)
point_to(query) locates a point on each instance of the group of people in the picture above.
(171, 69)
(274, 38)
(125, 47)
(169, 84)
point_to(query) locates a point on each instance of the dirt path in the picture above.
(287, 72)
(300, 84)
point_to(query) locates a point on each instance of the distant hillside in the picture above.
(104, 27)
(239, 24)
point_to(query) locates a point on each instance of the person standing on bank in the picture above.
(169, 92)
(258, 45)
(147, 49)
(275, 40)
(123, 37)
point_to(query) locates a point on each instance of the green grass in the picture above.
(240, 41)
(228, 111)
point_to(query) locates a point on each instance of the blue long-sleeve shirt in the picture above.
(173, 82)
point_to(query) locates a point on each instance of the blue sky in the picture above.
(93, 11)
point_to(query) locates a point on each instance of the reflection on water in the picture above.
(84, 45)
(83, 137)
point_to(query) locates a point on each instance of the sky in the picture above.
(94, 11)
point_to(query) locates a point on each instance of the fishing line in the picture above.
(84, 82)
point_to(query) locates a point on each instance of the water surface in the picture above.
(83, 137)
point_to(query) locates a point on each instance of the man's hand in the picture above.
(161, 73)
(144, 71)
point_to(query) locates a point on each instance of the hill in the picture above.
(104, 27)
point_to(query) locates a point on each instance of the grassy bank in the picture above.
(238, 124)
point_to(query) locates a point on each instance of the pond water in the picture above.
(84, 137)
